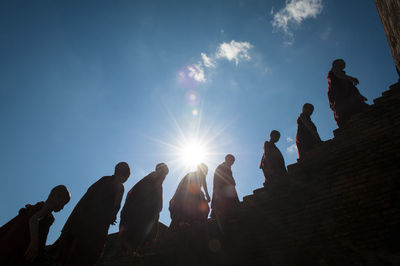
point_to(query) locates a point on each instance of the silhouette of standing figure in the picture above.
(307, 135)
(272, 162)
(84, 234)
(141, 211)
(22, 240)
(344, 97)
(224, 196)
(188, 205)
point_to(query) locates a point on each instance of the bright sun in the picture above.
(193, 154)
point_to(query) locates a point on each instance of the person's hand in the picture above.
(208, 199)
(31, 252)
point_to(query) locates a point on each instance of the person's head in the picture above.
(162, 168)
(58, 197)
(308, 108)
(274, 136)
(122, 171)
(202, 169)
(339, 64)
(229, 159)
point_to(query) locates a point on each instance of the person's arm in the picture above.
(117, 202)
(32, 250)
(341, 74)
(204, 184)
(352, 79)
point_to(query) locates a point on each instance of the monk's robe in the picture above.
(344, 98)
(189, 205)
(141, 211)
(225, 197)
(84, 234)
(15, 235)
(305, 139)
(272, 162)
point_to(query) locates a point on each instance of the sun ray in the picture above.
(190, 144)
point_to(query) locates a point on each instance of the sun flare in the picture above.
(192, 154)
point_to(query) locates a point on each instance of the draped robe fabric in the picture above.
(272, 163)
(15, 235)
(188, 205)
(344, 98)
(84, 234)
(305, 140)
(224, 196)
(141, 211)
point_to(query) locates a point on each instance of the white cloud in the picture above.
(196, 72)
(292, 148)
(234, 51)
(294, 13)
(207, 61)
(289, 139)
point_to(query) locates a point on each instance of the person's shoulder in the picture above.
(149, 176)
(219, 168)
(268, 143)
(29, 209)
(222, 165)
(302, 116)
(110, 182)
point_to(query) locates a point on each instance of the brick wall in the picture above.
(389, 11)
(340, 206)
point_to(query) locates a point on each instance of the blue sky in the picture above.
(86, 85)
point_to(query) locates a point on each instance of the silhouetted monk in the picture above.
(344, 98)
(188, 205)
(143, 204)
(307, 135)
(84, 234)
(225, 197)
(272, 162)
(22, 240)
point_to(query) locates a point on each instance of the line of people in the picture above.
(345, 100)
(82, 240)
(83, 237)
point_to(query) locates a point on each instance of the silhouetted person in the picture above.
(84, 234)
(307, 135)
(143, 204)
(225, 197)
(344, 98)
(22, 240)
(188, 205)
(272, 162)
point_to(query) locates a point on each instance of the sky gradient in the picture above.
(85, 85)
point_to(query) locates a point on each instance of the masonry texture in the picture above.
(339, 206)
(389, 11)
